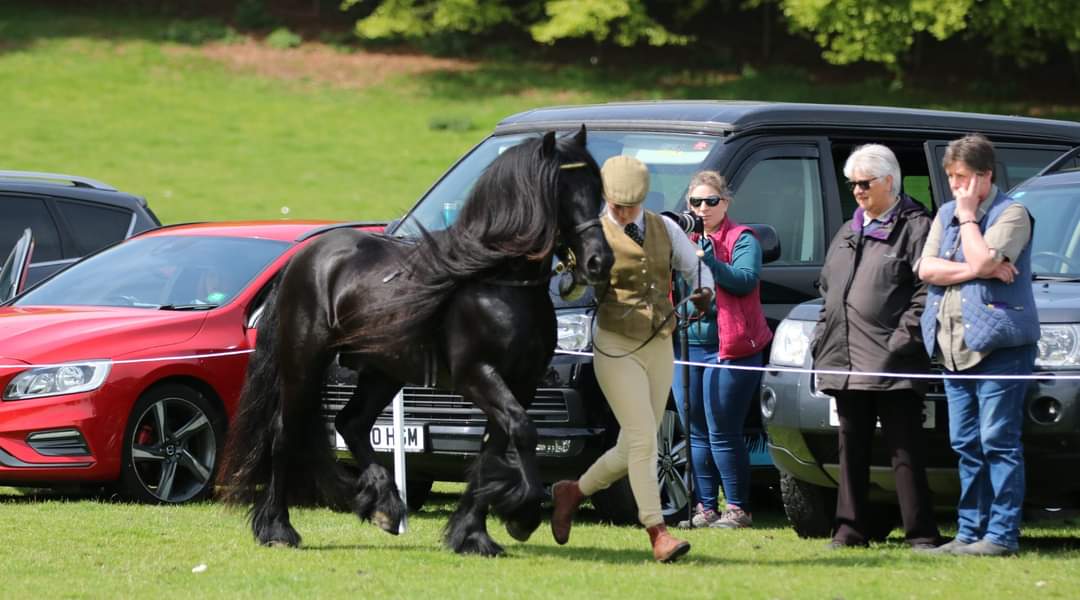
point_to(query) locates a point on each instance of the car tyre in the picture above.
(172, 445)
(617, 505)
(810, 508)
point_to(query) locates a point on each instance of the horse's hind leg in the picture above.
(377, 498)
(301, 459)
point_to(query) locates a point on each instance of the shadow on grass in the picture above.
(74, 494)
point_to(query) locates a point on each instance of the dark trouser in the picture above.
(901, 422)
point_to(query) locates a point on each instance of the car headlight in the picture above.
(573, 331)
(1059, 347)
(56, 380)
(791, 343)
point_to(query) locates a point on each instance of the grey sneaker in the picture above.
(950, 547)
(702, 518)
(984, 547)
(734, 518)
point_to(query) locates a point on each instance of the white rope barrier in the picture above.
(132, 361)
(775, 369)
(770, 368)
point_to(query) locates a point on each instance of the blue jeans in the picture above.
(719, 401)
(985, 421)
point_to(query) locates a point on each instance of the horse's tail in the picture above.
(314, 477)
(247, 462)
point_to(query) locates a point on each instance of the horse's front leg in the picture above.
(504, 477)
(377, 498)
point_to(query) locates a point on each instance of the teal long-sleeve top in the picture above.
(738, 278)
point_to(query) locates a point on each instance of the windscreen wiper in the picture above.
(187, 306)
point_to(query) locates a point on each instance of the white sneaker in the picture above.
(704, 518)
(733, 518)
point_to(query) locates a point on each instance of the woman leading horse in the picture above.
(473, 297)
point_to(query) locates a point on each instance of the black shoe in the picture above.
(837, 545)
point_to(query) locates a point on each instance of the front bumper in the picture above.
(453, 430)
(43, 440)
(803, 443)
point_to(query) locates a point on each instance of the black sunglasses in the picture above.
(709, 200)
(863, 184)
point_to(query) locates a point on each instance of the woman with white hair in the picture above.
(869, 323)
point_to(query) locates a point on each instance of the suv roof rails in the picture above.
(1061, 163)
(75, 180)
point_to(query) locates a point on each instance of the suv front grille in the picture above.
(440, 407)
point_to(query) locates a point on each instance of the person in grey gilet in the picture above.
(980, 319)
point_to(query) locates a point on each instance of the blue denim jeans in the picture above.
(719, 401)
(986, 417)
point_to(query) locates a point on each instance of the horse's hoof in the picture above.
(481, 546)
(279, 544)
(519, 532)
(385, 522)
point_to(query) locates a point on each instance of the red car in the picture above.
(125, 368)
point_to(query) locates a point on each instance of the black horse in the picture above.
(473, 299)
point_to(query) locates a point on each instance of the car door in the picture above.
(781, 184)
(1015, 162)
(14, 270)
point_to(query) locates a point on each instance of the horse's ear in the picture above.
(547, 147)
(579, 137)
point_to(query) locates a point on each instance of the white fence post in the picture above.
(399, 454)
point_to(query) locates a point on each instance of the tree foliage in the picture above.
(623, 22)
(884, 31)
(881, 31)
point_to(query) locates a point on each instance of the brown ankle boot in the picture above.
(566, 496)
(666, 548)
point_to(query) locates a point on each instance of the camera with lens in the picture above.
(687, 221)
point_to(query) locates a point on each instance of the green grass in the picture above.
(94, 549)
(103, 96)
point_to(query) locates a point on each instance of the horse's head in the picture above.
(580, 201)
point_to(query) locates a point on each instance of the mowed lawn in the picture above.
(96, 549)
(244, 131)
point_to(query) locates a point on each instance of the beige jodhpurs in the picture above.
(637, 388)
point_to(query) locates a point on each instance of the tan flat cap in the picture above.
(626, 180)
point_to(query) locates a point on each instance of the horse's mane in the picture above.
(510, 215)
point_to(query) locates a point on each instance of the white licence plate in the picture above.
(382, 438)
(929, 418)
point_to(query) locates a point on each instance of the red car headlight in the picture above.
(56, 380)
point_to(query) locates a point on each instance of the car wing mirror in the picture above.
(770, 242)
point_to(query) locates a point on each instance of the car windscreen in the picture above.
(672, 159)
(1055, 245)
(160, 272)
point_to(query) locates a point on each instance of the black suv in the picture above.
(70, 217)
(802, 421)
(784, 162)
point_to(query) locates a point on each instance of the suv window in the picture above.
(1021, 163)
(94, 227)
(19, 212)
(1015, 163)
(785, 193)
(672, 159)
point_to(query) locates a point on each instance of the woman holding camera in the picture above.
(734, 333)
